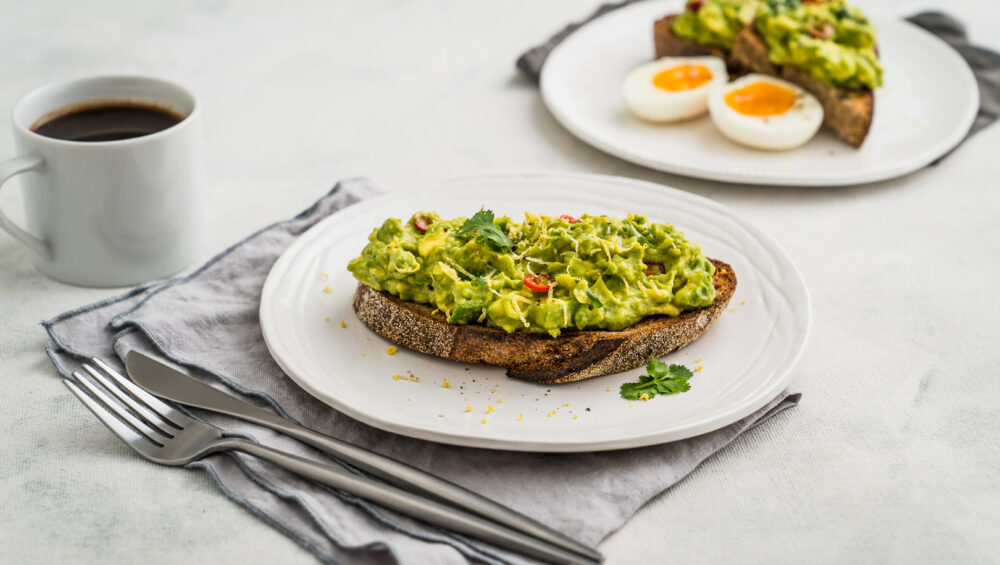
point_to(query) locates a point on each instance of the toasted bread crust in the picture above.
(573, 356)
(669, 44)
(847, 112)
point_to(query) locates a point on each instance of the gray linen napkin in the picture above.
(985, 63)
(208, 322)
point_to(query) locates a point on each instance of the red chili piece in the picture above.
(538, 283)
(653, 269)
(421, 223)
(694, 5)
(569, 218)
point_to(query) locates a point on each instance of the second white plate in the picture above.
(926, 107)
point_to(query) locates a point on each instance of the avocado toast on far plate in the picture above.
(825, 46)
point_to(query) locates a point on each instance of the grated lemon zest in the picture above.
(604, 246)
(516, 305)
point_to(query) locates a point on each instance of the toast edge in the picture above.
(574, 356)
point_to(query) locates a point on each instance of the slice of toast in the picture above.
(573, 356)
(847, 112)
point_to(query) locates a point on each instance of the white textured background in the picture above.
(892, 456)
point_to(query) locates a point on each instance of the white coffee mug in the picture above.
(108, 213)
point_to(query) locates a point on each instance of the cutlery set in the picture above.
(163, 434)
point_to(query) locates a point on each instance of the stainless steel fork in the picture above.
(163, 434)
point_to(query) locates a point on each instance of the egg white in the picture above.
(651, 103)
(778, 132)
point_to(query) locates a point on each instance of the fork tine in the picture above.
(171, 414)
(111, 406)
(148, 417)
(127, 434)
(159, 418)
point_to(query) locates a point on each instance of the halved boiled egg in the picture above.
(765, 112)
(672, 88)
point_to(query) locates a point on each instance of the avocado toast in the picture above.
(553, 299)
(826, 47)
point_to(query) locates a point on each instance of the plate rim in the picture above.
(730, 416)
(892, 169)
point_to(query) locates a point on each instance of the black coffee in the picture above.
(106, 121)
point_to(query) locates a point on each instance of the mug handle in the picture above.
(9, 168)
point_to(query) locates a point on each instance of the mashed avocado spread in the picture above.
(543, 275)
(830, 39)
(715, 22)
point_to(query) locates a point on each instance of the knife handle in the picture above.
(410, 504)
(412, 479)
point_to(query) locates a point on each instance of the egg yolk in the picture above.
(683, 77)
(761, 99)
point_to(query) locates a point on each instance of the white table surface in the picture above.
(892, 456)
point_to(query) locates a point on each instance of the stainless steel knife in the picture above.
(170, 383)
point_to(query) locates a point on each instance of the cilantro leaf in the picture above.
(662, 379)
(594, 299)
(637, 234)
(631, 391)
(485, 231)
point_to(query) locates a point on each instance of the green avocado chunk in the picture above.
(830, 39)
(561, 273)
(715, 22)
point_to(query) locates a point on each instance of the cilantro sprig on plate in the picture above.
(662, 379)
(481, 226)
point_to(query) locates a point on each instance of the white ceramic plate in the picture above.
(748, 354)
(926, 107)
